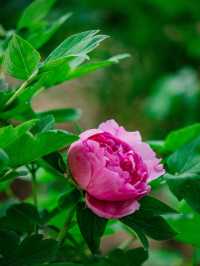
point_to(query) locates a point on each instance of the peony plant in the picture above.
(62, 194)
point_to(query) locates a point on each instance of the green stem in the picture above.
(63, 232)
(34, 188)
(22, 88)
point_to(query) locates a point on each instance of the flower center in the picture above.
(121, 158)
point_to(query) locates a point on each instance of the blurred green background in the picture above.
(154, 91)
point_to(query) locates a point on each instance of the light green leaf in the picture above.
(187, 224)
(77, 45)
(35, 13)
(20, 59)
(10, 134)
(29, 148)
(91, 67)
(178, 138)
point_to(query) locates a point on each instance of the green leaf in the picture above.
(54, 72)
(154, 206)
(147, 220)
(8, 243)
(183, 175)
(91, 226)
(63, 115)
(62, 264)
(10, 134)
(35, 13)
(40, 34)
(21, 218)
(130, 257)
(69, 199)
(91, 67)
(45, 123)
(20, 59)
(77, 45)
(4, 159)
(10, 174)
(187, 224)
(33, 147)
(56, 161)
(22, 109)
(35, 250)
(178, 138)
(149, 225)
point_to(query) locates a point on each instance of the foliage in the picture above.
(51, 225)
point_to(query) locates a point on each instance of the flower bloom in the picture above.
(114, 168)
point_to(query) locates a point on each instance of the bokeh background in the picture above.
(154, 91)
(157, 88)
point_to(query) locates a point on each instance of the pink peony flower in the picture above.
(114, 167)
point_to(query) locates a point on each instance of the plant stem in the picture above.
(61, 236)
(21, 88)
(34, 188)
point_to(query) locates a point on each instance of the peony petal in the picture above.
(109, 209)
(88, 133)
(84, 160)
(155, 169)
(108, 185)
(112, 127)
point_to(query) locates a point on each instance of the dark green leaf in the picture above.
(155, 207)
(91, 226)
(140, 234)
(130, 257)
(8, 243)
(20, 59)
(56, 161)
(40, 34)
(35, 13)
(20, 217)
(69, 199)
(149, 225)
(62, 264)
(35, 250)
(147, 220)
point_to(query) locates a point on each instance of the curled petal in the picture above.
(111, 209)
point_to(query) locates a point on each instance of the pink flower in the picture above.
(114, 168)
